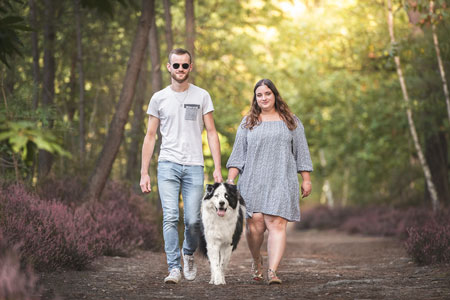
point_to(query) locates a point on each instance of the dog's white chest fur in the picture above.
(222, 217)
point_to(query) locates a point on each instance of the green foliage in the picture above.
(23, 135)
(331, 60)
(11, 25)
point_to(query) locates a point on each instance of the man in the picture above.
(181, 109)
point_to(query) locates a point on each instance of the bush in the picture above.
(380, 221)
(50, 234)
(430, 243)
(427, 235)
(54, 235)
(385, 221)
(67, 190)
(16, 282)
(140, 219)
(121, 226)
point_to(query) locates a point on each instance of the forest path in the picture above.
(317, 264)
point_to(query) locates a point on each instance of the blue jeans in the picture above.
(172, 177)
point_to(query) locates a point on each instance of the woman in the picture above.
(269, 150)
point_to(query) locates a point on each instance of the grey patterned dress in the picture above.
(268, 158)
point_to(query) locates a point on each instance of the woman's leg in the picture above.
(276, 242)
(255, 237)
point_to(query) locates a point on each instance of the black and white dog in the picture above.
(222, 214)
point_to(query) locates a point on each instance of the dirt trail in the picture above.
(317, 264)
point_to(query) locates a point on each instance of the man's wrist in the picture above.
(230, 181)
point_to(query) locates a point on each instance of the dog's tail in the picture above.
(202, 242)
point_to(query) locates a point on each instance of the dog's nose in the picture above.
(222, 203)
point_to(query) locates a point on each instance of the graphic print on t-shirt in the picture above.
(191, 111)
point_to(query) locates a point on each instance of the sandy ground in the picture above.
(316, 265)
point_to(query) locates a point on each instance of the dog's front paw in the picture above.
(219, 282)
(219, 279)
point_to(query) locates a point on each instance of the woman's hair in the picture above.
(280, 106)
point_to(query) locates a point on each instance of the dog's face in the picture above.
(222, 197)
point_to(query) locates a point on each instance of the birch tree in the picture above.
(412, 127)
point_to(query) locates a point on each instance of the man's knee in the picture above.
(192, 226)
(170, 218)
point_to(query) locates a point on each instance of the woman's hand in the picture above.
(306, 188)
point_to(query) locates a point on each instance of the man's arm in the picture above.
(147, 153)
(214, 145)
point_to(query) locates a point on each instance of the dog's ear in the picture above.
(209, 191)
(231, 187)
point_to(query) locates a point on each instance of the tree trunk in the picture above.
(137, 124)
(92, 117)
(157, 83)
(168, 27)
(46, 158)
(190, 31)
(35, 54)
(138, 120)
(439, 59)
(326, 188)
(81, 138)
(115, 132)
(436, 154)
(345, 188)
(412, 127)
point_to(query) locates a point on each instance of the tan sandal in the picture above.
(256, 274)
(272, 277)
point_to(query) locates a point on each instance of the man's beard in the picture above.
(174, 76)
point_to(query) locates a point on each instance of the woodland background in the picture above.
(332, 61)
(76, 77)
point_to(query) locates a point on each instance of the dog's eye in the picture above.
(226, 196)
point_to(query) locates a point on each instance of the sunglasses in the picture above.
(177, 65)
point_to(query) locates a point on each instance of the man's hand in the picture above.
(145, 184)
(217, 174)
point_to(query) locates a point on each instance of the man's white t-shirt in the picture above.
(181, 123)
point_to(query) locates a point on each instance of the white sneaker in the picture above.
(174, 276)
(190, 269)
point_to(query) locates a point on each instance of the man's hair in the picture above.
(180, 51)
